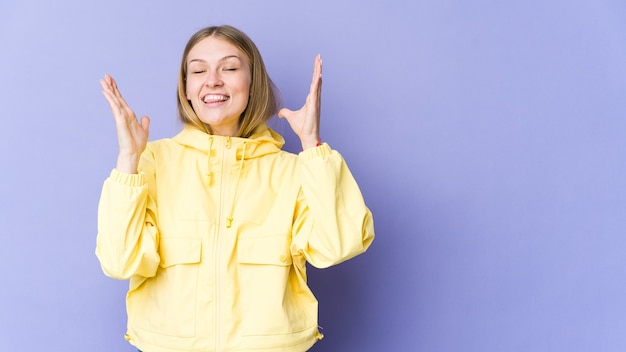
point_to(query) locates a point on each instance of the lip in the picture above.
(212, 99)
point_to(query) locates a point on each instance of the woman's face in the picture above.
(218, 84)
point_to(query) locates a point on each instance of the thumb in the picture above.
(145, 123)
(285, 113)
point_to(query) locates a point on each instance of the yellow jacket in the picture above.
(214, 233)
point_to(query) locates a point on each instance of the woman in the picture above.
(214, 226)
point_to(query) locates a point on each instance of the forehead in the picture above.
(213, 49)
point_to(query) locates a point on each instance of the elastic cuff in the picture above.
(316, 152)
(133, 180)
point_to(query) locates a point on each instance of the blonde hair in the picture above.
(264, 100)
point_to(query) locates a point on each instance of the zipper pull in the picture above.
(229, 222)
(228, 142)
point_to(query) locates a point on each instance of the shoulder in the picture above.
(286, 157)
(160, 149)
(161, 143)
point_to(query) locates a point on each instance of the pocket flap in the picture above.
(266, 250)
(175, 251)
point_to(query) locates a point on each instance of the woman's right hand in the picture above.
(132, 136)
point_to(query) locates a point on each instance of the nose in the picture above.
(213, 79)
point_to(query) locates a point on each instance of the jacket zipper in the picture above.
(218, 240)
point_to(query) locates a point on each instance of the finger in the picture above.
(317, 75)
(319, 86)
(123, 105)
(114, 88)
(110, 83)
(315, 90)
(121, 111)
(106, 80)
(112, 100)
(116, 91)
(106, 84)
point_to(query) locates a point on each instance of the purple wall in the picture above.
(488, 139)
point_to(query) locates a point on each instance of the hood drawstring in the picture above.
(229, 220)
(209, 172)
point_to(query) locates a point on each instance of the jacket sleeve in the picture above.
(332, 223)
(127, 240)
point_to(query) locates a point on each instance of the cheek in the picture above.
(245, 93)
(187, 90)
(191, 88)
(248, 90)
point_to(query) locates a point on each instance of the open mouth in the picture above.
(214, 98)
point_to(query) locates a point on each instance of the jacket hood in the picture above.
(263, 141)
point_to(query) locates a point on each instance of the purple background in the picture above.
(488, 137)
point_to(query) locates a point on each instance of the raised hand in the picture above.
(306, 121)
(132, 136)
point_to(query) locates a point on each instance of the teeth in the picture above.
(214, 98)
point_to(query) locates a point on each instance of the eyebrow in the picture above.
(220, 60)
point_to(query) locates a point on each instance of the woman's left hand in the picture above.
(306, 121)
